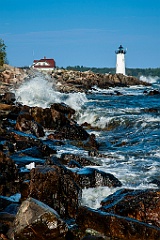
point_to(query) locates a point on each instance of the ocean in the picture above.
(125, 121)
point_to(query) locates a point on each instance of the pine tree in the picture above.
(2, 53)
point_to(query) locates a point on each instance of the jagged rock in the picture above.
(48, 117)
(26, 123)
(63, 108)
(66, 158)
(73, 132)
(92, 177)
(115, 226)
(75, 81)
(23, 142)
(42, 151)
(8, 176)
(55, 187)
(143, 205)
(8, 98)
(36, 220)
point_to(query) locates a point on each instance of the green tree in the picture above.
(2, 53)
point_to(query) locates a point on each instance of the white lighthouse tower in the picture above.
(120, 64)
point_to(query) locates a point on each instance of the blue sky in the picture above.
(84, 32)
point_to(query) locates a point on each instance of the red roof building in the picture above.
(44, 64)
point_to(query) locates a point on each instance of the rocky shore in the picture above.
(41, 192)
(74, 81)
(67, 81)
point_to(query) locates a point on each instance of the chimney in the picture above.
(44, 57)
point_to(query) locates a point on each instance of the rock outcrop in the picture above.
(11, 77)
(115, 226)
(75, 81)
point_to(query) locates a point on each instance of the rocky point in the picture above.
(41, 193)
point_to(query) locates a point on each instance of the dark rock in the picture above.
(91, 177)
(115, 226)
(6, 221)
(154, 92)
(142, 205)
(23, 141)
(67, 157)
(53, 186)
(63, 108)
(8, 176)
(42, 151)
(40, 222)
(26, 123)
(151, 110)
(8, 97)
(48, 117)
(73, 164)
(74, 132)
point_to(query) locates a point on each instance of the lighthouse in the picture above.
(120, 64)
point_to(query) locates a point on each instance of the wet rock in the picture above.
(8, 98)
(53, 186)
(40, 222)
(66, 158)
(48, 117)
(142, 205)
(63, 108)
(91, 177)
(8, 176)
(43, 151)
(154, 92)
(151, 110)
(73, 132)
(23, 142)
(115, 226)
(26, 123)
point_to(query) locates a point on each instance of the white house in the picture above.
(44, 64)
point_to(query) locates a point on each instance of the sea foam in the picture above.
(40, 92)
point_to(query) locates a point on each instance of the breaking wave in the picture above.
(39, 92)
(149, 79)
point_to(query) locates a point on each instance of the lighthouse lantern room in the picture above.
(120, 64)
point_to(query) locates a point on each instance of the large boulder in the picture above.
(49, 117)
(142, 205)
(54, 186)
(115, 226)
(63, 108)
(91, 177)
(37, 221)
